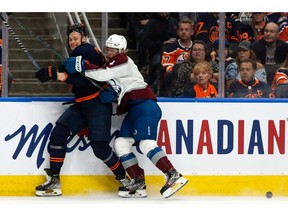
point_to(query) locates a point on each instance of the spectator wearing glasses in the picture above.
(198, 54)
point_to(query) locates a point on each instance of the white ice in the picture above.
(105, 205)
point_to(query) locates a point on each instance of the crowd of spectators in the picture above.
(258, 36)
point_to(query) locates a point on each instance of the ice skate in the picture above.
(51, 187)
(136, 188)
(174, 182)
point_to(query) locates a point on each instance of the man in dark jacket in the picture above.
(270, 51)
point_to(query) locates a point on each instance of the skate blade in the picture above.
(181, 182)
(49, 193)
(136, 194)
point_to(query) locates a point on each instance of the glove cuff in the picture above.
(79, 64)
(52, 73)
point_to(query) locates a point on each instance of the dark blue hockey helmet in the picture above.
(77, 27)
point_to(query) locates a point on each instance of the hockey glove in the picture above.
(108, 95)
(62, 69)
(46, 74)
(75, 64)
(116, 86)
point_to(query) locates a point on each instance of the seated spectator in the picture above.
(179, 50)
(270, 51)
(202, 89)
(215, 53)
(243, 17)
(258, 23)
(206, 28)
(244, 52)
(243, 29)
(281, 75)
(198, 54)
(281, 18)
(174, 54)
(248, 86)
(283, 27)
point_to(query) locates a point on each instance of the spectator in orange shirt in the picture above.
(202, 73)
(198, 54)
(281, 75)
(174, 54)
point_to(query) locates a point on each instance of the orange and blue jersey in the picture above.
(281, 76)
(173, 54)
(206, 28)
(81, 87)
(251, 89)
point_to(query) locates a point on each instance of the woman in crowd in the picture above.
(202, 73)
(198, 54)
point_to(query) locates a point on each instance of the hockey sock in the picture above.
(103, 151)
(159, 159)
(131, 165)
(57, 147)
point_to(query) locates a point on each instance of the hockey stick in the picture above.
(20, 43)
(94, 82)
(50, 47)
(37, 37)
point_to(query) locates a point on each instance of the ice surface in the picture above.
(100, 204)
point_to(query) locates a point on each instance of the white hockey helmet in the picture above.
(116, 41)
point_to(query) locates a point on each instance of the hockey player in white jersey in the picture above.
(135, 99)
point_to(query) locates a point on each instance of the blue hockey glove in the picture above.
(108, 95)
(75, 64)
